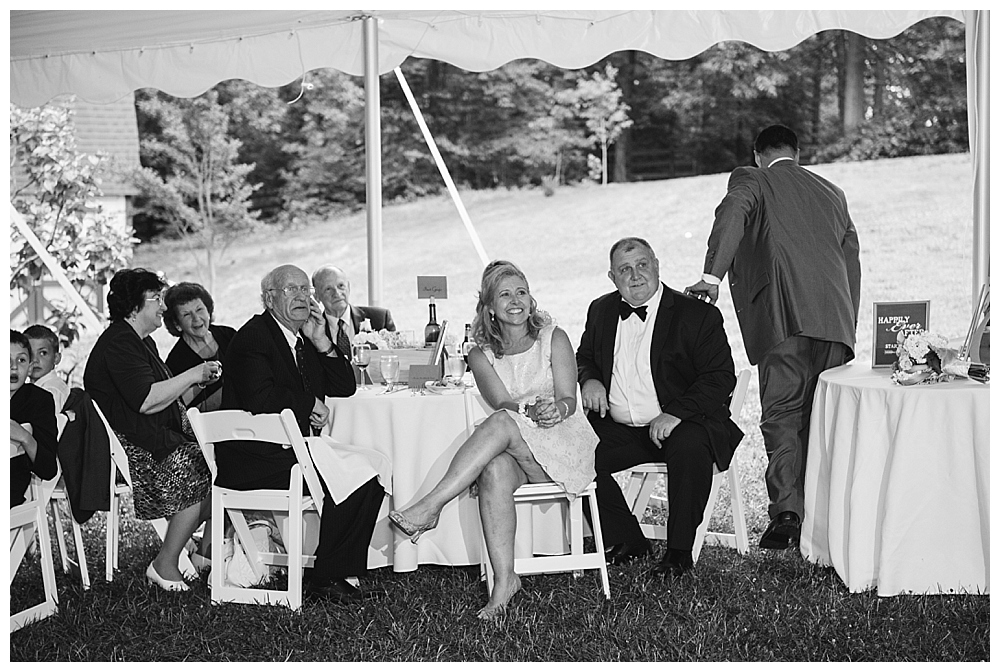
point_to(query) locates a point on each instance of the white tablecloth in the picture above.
(897, 483)
(420, 434)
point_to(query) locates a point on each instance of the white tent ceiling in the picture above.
(101, 56)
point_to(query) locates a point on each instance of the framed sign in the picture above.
(432, 287)
(891, 318)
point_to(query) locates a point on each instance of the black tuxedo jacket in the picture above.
(692, 365)
(262, 377)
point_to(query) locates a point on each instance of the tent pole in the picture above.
(442, 168)
(373, 161)
(977, 40)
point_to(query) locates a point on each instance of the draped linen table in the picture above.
(897, 483)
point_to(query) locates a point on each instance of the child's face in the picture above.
(20, 359)
(45, 358)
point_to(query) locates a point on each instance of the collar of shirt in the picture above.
(334, 323)
(780, 158)
(289, 336)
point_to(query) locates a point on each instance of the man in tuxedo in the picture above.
(343, 320)
(282, 358)
(786, 239)
(656, 374)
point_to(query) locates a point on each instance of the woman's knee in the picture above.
(502, 472)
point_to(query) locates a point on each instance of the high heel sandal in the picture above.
(408, 528)
(154, 578)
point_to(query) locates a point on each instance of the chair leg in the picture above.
(81, 554)
(595, 516)
(110, 540)
(702, 532)
(739, 513)
(60, 534)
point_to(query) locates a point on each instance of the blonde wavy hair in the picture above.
(485, 327)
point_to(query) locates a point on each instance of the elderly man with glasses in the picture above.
(282, 358)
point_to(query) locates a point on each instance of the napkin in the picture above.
(344, 468)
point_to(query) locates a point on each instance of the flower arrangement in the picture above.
(924, 357)
(383, 339)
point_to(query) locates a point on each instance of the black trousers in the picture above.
(788, 373)
(689, 479)
(345, 529)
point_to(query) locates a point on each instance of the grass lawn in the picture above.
(913, 217)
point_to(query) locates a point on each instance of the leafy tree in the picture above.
(58, 200)
(597, 101)
(200, 189)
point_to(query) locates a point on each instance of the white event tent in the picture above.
(101, 56)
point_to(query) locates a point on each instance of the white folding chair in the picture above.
(26, 520)
(538, 494)
(59, 494)
(643, 478)
(119, 463)
(218, 426)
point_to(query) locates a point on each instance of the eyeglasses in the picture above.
(300, 290)
(158, 298)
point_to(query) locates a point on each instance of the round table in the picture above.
(897, 483)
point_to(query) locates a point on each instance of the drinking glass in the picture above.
(454, 367)
(362, 353)
(389, 367)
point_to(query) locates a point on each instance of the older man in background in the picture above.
(343, 320)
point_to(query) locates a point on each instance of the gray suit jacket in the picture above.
(786, 239)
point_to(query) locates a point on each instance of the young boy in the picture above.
(33, 406)
(45, 357)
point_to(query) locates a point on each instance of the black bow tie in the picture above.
(624, 310)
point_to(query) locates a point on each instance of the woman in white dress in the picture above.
(525, 369)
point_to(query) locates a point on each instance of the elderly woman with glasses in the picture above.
(188, 316)
(141, 400)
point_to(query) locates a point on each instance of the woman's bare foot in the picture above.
(503, 590)
(167, 570)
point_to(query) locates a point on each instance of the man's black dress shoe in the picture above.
(334, 589)
(782, 532)
(625, 553)
(673, 564)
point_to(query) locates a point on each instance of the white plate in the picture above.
(437, 387)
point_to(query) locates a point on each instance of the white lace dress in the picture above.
(566, 450)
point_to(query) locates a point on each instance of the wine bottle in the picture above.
(467, 344)
(433, 330)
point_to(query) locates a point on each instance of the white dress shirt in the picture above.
(632, 397)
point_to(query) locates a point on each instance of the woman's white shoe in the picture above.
(154, 578)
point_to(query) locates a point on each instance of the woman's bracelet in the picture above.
(561, 416)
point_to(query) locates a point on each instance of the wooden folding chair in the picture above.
(643, 478)
(539, 494)
(219, 426)
(27, 520)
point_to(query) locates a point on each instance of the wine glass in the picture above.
(362, 353)
(389, 367)
(454, 367)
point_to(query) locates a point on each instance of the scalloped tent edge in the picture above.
(101, 56)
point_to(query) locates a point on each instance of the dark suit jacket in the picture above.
(786, 239)
(692, 365)
(262, 377)
(85, 457)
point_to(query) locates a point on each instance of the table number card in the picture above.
(432, 286)
(891, 318)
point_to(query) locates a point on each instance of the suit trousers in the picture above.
(788, 373)
(689, 479)
(345, 529)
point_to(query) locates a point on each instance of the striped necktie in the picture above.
(343, 341)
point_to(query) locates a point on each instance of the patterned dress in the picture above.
(566, 450)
